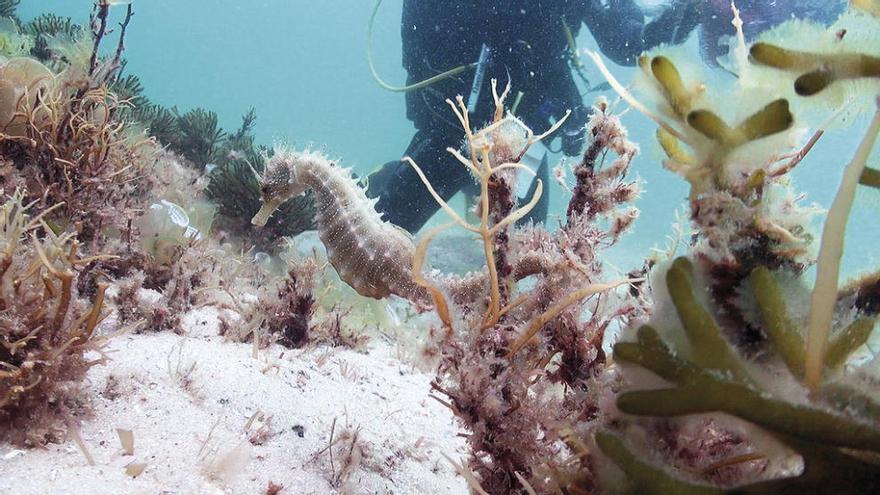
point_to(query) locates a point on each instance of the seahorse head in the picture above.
(278, 183)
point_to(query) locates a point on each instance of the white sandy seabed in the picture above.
(209, 418)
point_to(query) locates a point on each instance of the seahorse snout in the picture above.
(265, 212)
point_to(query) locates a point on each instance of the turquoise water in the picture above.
(302, 66)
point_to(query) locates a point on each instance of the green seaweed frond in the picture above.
(826, 471)
(785, 335)
(710, 348)
(8, 7)
(200, 138)
(817, 71)
(774, 118)
(712, 377)
(160, 121)
(673, 87)
(51, 25)
(788, 340)
(870, 177)
(644, 478)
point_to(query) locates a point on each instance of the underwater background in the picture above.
(150, 295)
(303, 66)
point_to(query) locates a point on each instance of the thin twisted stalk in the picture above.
(824, 295)
(538, 323)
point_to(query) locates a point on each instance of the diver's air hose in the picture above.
(410, 87)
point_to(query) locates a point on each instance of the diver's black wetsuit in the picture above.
(529, 45)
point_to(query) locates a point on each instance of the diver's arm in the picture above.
(620, 30)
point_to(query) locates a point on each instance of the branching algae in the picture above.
(519, 361)
(46, 329)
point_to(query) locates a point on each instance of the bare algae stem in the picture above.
(481, 166)
(440, 304)
(824, 295)
(573, 298)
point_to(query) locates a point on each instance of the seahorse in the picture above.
(372, 256)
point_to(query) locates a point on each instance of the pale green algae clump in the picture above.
(166, 226)
(14, 43)
(21, 81)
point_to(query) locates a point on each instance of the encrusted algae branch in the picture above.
(516, 374)
(743, 211)
(373, 257)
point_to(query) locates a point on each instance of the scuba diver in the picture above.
(527, 42)
(531, 44)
